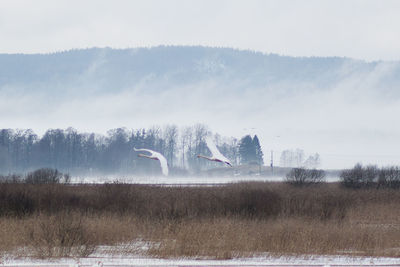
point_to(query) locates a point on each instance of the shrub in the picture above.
(302, 176)
(389, 177)
(359, 176)
(46, 176)
(60, 235)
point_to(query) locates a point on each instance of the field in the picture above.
(220, 222)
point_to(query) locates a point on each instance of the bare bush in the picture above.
(389, 177)
(60, 235)
(371, 176)
(302, 176)
(316, 176)
(46, 176)
(359, 176)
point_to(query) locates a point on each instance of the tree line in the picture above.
(88, 153)
(296, 158)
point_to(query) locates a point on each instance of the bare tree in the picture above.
(292, 158)
(186, 143)
(170, 137)
(313, 161)
(200, 147)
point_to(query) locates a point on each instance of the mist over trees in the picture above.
(88, 153)
(184, 82)
(296, 158)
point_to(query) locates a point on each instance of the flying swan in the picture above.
(156, 156)
(216, 155)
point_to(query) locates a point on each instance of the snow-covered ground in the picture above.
(135, 254)
(256, 261)
(178, 180)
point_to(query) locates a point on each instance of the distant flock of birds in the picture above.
(216, 156)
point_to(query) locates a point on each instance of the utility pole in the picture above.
(272, 162)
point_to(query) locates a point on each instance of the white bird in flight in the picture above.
(216, 155)
(156, 156)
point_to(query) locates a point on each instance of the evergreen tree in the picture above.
(258, 151)
(246, 150)
(250, 150)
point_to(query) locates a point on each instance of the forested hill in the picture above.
(110, 70)
(310, 102)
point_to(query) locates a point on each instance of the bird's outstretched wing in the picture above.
(214, 150)
(163, 163)
(144, 150)
(159, 156)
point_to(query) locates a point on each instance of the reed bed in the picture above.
(235, 220)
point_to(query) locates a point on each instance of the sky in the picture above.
(361, 29)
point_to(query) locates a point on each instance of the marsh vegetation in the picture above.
(242, 219)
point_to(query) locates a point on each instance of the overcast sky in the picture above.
(360, 29)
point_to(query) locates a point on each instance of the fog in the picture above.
(347, 114)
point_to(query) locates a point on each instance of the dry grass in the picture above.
(226, 238)
(223, 222)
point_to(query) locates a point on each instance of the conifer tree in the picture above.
(258, 151)
(246, 149)
(250, 150)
